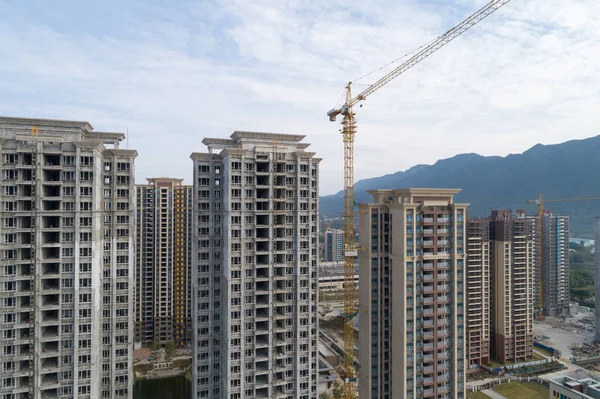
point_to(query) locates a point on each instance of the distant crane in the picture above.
(539, 201)
(348, 132)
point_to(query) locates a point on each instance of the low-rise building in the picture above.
(578, 385)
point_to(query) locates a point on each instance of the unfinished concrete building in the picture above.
(255, 268)
(412, 295)
(163, 262)
(478, 285)
(66, 261)
(512, 264)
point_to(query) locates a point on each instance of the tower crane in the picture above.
(348, 132)
(539, 201)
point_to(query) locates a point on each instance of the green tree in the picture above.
(170, 348)
(337, 390)
(156, 345)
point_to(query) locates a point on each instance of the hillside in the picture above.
(566, 170)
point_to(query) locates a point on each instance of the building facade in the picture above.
(556, 265)
(512, 293)
(574, 385)
(163, 262)
(597, 286)
(66, 260)
(477, 293)
(334, 244)
(255, 268)
(412, 295)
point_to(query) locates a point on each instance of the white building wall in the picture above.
(266, 270)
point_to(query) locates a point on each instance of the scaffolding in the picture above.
(33, 264)
(273, 269)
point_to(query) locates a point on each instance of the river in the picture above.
(169, 388)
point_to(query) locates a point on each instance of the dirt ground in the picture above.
(141, 354)
(562, 335)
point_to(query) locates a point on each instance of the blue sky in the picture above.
(174, 72)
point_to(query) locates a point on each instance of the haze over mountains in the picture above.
(567, 170)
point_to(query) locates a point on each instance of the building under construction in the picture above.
(255, 268)
(163, 262)
(66, 261)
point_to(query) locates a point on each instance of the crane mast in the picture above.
(348, 135)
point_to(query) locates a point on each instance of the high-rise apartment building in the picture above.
(478, 285)
(334, 244)
(597, 286)
(66, 260)
(255, 268)
(412, 295)
(555, 265)
(512, 293)
(163, 262)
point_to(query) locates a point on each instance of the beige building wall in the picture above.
(412, 276)
(478, 294)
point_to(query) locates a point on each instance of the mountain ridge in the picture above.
(564, 170)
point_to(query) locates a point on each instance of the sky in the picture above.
(171, 73)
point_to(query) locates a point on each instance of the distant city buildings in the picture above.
(556, 265)
(163, 262)
(334, 245)
(412, 294)
(255, 267)
(66, 260)
(500, 295)
(597, 286)
(554, 272)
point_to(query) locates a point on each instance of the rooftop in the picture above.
(240, 138)
(585, 384)
(425, 196)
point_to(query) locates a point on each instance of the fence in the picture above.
(507, 380)
(550, 349)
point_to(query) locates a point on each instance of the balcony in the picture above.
(50, 301)
(50, 381)
(262, 353)
(261, 367)
(50, 364)
(50, 316)
(49, 349)
(51, 206)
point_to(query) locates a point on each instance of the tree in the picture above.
(337, 390)
(156, 345)
(170, 348)
(324, 395)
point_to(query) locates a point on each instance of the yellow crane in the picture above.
(539, 201)
(348, 132)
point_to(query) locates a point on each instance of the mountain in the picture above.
(567, 170)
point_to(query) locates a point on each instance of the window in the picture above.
(10, 158)
(10, 174)
(86, 161)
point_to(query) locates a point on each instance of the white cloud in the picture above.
(175, 75)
